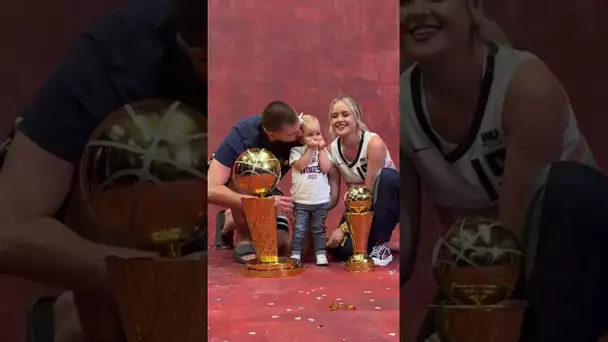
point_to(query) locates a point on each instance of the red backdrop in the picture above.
(304, 54)
(567, 36)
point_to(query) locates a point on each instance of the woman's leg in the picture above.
(567, 249)
(386, 218)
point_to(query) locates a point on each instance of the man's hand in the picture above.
(335, 238)
(284, 205)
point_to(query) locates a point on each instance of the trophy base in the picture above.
(360, 263)
(484, 323)
(284, 267)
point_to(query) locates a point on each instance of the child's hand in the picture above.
(312, 144)
(322, 144)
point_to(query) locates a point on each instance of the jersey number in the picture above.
(362, 170)
(496, 163)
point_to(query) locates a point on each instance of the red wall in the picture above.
(304, 54)
(568, 36)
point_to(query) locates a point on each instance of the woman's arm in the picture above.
(376, 157)
(410, 217)
(324, 162)
(536, 113)
(335, 181)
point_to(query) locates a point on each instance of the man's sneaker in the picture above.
(381, 255)
(322, 260)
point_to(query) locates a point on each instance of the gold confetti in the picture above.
(342, 306)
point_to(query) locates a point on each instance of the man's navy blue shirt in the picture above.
(248, 134)
(129, 55)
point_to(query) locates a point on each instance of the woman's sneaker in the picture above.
(381, 254)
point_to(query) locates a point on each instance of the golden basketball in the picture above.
(358, 199)
(143, 174)
(256, 172)
(477, 262)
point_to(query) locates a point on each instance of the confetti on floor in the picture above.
(298, 308)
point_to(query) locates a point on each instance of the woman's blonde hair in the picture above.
(353, 107)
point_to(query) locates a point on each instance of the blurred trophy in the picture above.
(257, 172)
(477, 264)
(143, 183)
(358, 201)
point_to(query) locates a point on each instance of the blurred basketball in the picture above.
(477, 262)
(143, 175)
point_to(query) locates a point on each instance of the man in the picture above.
(145, 49)
(277, 129)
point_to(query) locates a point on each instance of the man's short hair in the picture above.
(277, 115)
(190, 18)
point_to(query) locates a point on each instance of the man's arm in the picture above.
(410, 217)
(217, 191)
(35, 246)
(535, 117)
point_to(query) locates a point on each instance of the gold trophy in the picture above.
(143, 184)
(477, 264)
(358, 201)
(257, 172)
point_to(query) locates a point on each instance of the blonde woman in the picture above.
(361, 157)
(488, 131)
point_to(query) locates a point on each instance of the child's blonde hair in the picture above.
(308, 119)
(353, 107)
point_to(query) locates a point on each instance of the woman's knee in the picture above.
(387, 178)
(572, 178)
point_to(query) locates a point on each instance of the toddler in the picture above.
(310, 189)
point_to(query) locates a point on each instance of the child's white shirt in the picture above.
(309, 186)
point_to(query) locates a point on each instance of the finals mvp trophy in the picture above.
(257, 172)
(358, 201)
(477, 264)
(143, 184)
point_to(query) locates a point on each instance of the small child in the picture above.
(310, 189)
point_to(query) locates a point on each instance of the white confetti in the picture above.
(323, 295)
(252, 333)
(338, 299)
(380, 277)
(321, 288)
(275, 316)
(255, 297)
(392, 334)
(319, 298)
(311, 319)
(388, 288)
(367, 292)
(287, 309)
(270, 304)
(372, 300)
(298, 318)
(300, 291)
(307, 292)
(377, 308)
(301, 308)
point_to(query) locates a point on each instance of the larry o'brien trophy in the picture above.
(477, 264)
(257, 172)
(143, 181)
(358, 201)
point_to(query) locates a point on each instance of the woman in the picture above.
(489, 131)
(361, 157)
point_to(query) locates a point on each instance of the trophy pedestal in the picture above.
(360, 262)
(284, 267)
(261, 220)
(161, 299)
(479, 323)
(360, 225)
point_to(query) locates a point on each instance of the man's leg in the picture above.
(566, 288)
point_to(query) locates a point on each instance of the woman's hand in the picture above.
(335, 238)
